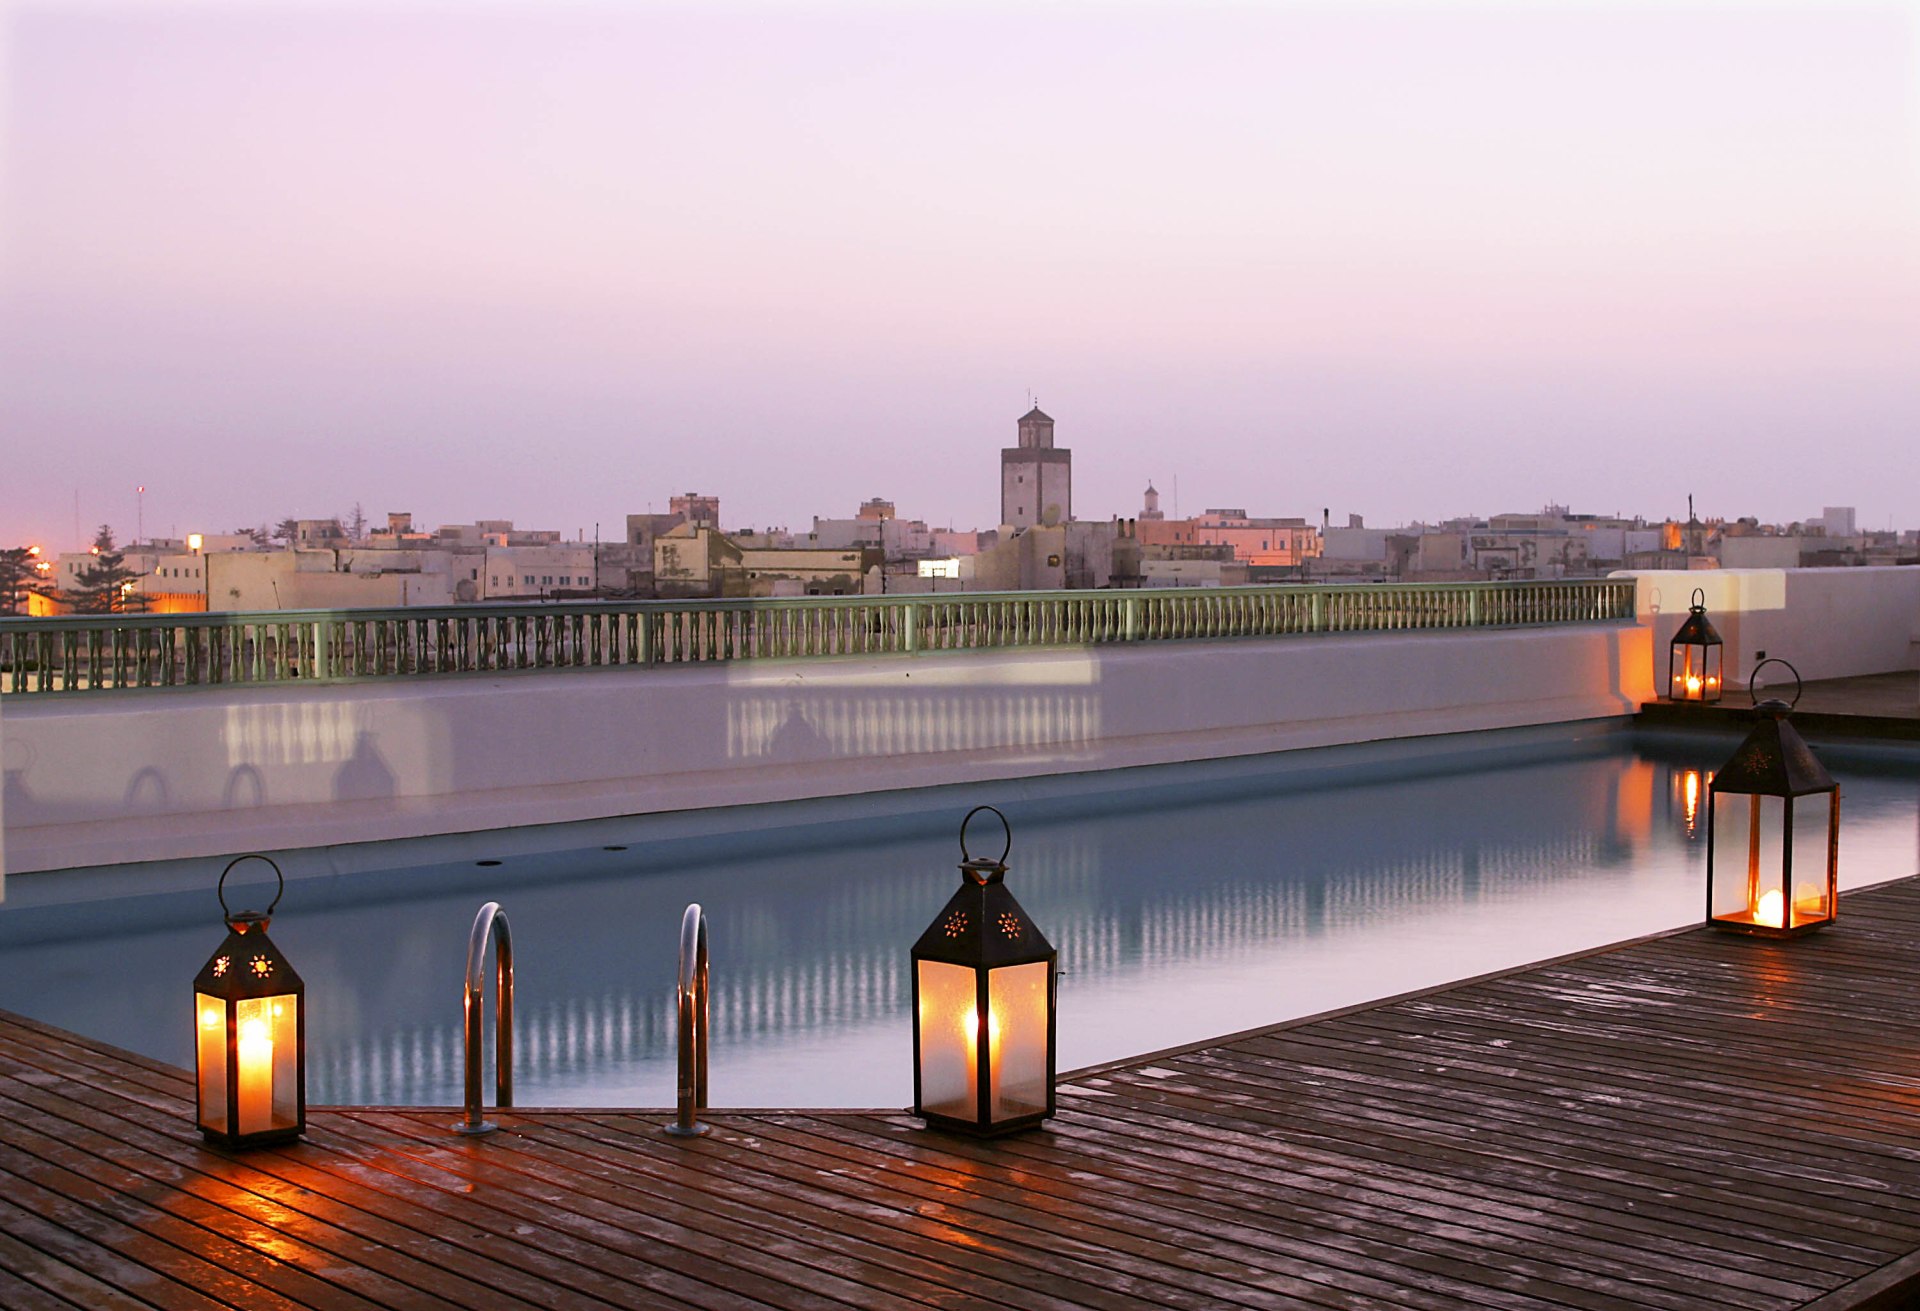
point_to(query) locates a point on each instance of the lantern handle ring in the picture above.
(1698, 601)
(1006, 827)
(1798, 686)
(279, 892)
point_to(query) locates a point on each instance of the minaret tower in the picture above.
(1036, 477)
(1150, 504)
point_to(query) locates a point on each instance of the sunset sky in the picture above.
(555, 263)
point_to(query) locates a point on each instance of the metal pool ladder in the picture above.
(692, 1082)
(491, 922)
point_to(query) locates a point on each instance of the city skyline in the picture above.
(549, 266)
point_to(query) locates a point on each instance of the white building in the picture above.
(531, 572)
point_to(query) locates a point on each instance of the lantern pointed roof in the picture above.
(1697, 630)
(1774, 761)
(982, 925)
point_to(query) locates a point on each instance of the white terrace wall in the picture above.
(118, 777)
(1829, 623)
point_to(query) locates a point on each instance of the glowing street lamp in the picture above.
(1693, 660)
(1773, 862)
(250, 1033)
(983, 1006)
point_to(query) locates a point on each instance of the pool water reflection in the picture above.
(1187, 902)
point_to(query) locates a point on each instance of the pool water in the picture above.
(1186, 901)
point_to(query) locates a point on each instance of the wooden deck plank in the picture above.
(617, 1150)
(625, 1220)
(1170, 1265)
(1689, 1121)
(1102, 1259)
(1844, 1176)
(1622, 1228)
(1370, 1261)
(1463, 1223)
(438, 1273)
(749, 1205)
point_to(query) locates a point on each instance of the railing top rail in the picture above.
(505, 609)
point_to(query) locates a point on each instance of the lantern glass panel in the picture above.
(210, 1031)
(279, 1029)
(1811, 857)
(1017, 1040)
(949, 1040)
(1696, 673)
(1754, 858)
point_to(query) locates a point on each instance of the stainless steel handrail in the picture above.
(491, 922)
(692, 1082)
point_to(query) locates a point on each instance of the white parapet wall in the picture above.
(122, 777)
(1829, 623)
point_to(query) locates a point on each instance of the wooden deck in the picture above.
(1871, 705)
(1694, 1121)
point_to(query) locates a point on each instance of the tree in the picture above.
(259, 535)
(19, 572)
(106, 586)
(357, 523)
(286, 531)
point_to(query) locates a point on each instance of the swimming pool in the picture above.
(1187, 901)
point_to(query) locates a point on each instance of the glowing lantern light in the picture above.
(1773, 863)
(250, 1033)
(1693, 660)
(983, 1006)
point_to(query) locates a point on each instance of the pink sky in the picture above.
(555, 264)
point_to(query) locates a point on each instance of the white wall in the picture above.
(133, 777)
(1829, 623)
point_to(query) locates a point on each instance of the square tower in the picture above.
(1036, 477)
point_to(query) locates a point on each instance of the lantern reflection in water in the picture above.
(1689, 796)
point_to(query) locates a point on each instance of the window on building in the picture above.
(528, 580)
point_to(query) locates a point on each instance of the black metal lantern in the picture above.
(250, 1033)
(1773, 832)
(983, 1006)
(1693, 660)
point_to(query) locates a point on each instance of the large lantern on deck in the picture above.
(250, 1033)
(983, 1007)
(1694, 658)
(1773, 833)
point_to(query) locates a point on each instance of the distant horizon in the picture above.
(558, 262)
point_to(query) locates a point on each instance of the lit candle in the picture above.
(256, 1076)
(1693, 685)
(1770, 910)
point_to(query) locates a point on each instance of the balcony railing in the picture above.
(102, 652)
